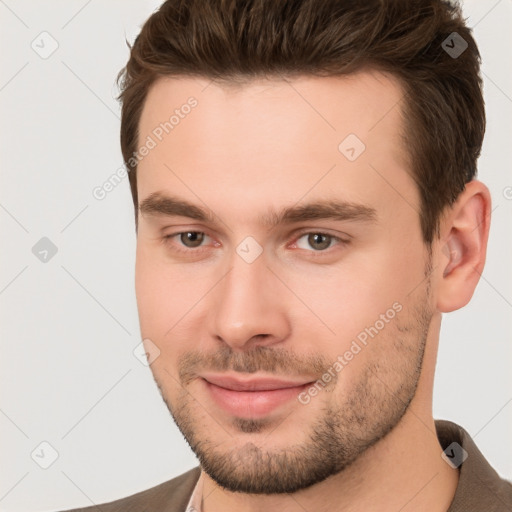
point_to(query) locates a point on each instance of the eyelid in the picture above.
(179, 229)
(343, 237)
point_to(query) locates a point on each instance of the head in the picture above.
(306, 208)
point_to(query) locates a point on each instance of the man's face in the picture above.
(291, 305)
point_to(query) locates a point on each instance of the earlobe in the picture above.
(462, 257)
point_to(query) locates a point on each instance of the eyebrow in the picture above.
(159, 204)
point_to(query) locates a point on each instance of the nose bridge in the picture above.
(245, 304)
(244, 290)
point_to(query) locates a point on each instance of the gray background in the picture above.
(69, 325)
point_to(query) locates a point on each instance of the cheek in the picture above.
(156, 294)
(166, 294)
(348, 296)
(365, 293)
(161, 305)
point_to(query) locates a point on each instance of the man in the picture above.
(303, 175)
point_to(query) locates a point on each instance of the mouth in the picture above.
(254, 397)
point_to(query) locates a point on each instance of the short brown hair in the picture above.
(238, 40)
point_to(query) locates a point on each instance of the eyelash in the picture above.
(167, 240)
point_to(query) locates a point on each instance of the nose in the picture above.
(248, 306)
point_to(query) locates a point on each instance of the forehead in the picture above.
(367, 103)
(275, 138)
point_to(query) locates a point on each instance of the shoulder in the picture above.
(170, 496)
(480, 486)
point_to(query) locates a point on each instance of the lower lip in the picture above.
(252, 404)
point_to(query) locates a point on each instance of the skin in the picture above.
(367, 441)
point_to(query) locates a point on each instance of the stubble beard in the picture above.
(341, 432)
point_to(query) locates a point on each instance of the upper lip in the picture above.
(252, 384)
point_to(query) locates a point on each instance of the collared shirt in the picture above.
(480, 489)
(194, 504)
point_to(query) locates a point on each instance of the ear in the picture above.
(464, 235)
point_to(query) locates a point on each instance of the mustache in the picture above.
(259, 359)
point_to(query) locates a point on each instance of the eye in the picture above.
(316, 241)
(188, 239)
